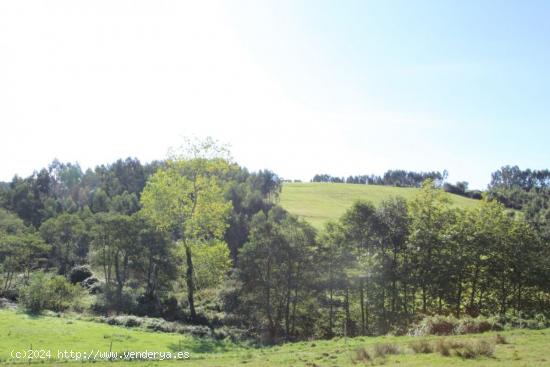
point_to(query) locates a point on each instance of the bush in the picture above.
(381, 350)
(443, 347)
(361, 355)
(421, 346)
(465, 349)
(441, 325)
(474, 326)
(477, 349)
(92, 284)
(79, 273)
(52, 292)
(435, 325)
(500, 339)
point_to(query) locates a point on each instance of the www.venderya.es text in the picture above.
(96, 355)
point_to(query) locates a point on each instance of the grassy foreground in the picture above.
(19, 331)
(321, 202)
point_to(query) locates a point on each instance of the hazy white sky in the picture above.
(299, 87)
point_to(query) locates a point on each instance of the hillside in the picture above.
(20, 332)
(321, 202)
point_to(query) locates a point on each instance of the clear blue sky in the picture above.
(301, 87)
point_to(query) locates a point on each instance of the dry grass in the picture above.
(465, 349)
(362, 355)
(500, 339)
(422, 346)
(381, 350)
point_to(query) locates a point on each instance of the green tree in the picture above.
(20, 249)
(114, 249)
(276, 270)
(187, 198)
(65, 233)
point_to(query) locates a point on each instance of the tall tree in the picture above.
(187, 198)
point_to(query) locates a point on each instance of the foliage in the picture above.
(52, 292)
(211, 262)
(79, 273)
(21, 250)
(187, 199)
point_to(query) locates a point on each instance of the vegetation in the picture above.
(52, 292)
(399, 178)
(197, 244)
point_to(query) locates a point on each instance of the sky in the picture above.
(299, 87)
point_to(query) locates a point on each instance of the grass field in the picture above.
(321, 202)
(20, 332)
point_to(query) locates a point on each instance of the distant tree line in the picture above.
(510, 177)
(527, 191)
(399, 178)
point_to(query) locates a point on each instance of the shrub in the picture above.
(381, 350)
(443, 347)
(52, 292)
(79, 273)
(435, 325)
(466, 350)
(91, 284)
(484, 348)
(124, 320)
(362, 355)
(500, 339)
(471, 350)
(441, 325)
(473, 326)
(421, 346)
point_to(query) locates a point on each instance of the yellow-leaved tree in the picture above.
(186, 197)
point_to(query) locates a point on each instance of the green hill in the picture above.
(20, 332)
(321, 202)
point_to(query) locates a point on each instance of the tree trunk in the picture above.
(190, 282)
(348, 318)
(287, 303)
(362, 300)
(474, 285)
(330, 313)
(459, 296)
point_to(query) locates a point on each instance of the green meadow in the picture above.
(19, 331)
(322, 202)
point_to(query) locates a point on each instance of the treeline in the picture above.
(509, 177)
(399, 178)
(197, 238)
(527, 191)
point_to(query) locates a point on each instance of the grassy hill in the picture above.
(320, 202)
(19, 332)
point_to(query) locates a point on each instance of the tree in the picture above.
(429, 213)
(20, 249)
(65, 233)
(277, 271)
(186, 198)
(155, 264)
